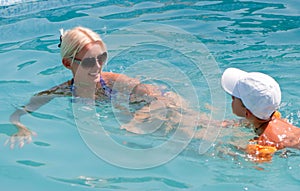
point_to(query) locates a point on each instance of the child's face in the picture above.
(238, 107)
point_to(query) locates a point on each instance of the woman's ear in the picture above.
(66, 62)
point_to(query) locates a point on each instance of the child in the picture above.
(256, 97)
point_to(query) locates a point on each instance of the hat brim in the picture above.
(230, 78)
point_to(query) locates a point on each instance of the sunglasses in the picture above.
(91, 61)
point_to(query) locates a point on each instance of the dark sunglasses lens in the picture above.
(102, 58)
(88, 62)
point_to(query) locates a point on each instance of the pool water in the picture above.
(143, 38)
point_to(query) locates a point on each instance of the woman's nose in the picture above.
(98, 64)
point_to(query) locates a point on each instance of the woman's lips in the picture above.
(94, 73)
(95, 76)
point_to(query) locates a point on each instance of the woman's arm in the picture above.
(23, 133)
(131, 88)
(35, 103)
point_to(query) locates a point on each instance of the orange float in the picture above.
(260, 153)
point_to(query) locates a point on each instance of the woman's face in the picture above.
(89, 61)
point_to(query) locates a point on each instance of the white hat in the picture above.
(259, 92)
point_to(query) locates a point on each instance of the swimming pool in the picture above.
(255, 35)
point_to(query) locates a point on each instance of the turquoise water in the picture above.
(256, 35)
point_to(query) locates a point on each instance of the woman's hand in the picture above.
(21, 137)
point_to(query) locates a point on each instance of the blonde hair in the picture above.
(72, 41)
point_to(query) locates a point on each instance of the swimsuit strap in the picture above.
(72, 87)
(107, 90)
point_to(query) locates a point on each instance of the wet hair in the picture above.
(72, 41)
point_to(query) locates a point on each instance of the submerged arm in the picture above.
(38, 100)
(35, 103)
(23, 134)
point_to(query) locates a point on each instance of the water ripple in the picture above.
(113, 183)
(31, 163)
(51, 71)
(25, 64)
(14, 82)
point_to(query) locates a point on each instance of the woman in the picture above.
(84, 53)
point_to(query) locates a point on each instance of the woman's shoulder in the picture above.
(59, 90)
(112, 77)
